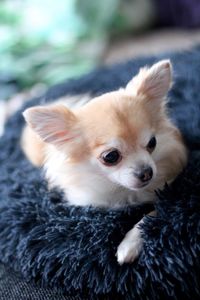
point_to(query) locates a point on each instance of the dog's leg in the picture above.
(131, 246)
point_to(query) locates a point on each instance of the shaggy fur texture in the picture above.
(74, 248)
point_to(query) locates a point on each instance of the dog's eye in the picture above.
(111, 157)
(151, 144)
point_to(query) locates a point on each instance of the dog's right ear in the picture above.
(152, 82)
(54, 124)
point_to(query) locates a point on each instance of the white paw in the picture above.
(130, 247)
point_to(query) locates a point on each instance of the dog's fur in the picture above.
(69, 142)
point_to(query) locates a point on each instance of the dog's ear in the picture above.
(54, 124)
(153, 82)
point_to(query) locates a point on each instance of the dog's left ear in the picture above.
(152, 82)
(54, 124)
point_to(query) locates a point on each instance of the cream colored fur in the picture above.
(69, 140)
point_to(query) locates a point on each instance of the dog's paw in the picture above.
(130, 247)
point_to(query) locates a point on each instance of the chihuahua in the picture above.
(112, 151)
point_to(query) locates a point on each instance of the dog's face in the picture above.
(123, 137)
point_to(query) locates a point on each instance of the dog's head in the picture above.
(124, 137)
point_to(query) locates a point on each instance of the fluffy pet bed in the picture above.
(73, 248)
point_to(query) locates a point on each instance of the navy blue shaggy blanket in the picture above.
(73, 248)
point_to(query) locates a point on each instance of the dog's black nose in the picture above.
(144, 174)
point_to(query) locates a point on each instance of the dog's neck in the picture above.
(117, 198)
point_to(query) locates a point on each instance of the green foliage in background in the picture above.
(48, 41)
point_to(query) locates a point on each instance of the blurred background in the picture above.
(43, 42)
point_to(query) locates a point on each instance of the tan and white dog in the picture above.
(112, 151)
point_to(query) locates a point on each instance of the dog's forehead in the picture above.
(114, 115)
(115, 106)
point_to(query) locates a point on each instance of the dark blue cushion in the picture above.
(73, 248)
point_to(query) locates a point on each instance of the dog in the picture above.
(111, 151)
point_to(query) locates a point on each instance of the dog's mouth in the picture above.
(140, 185)
(143, 184)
